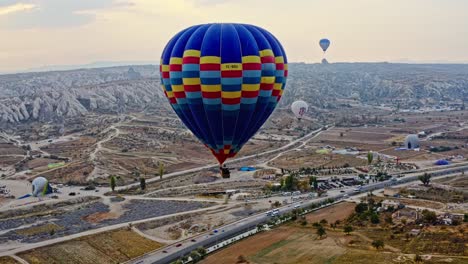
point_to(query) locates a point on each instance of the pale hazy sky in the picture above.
(36, 33)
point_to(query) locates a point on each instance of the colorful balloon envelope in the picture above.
(223, 81)
(324, 44)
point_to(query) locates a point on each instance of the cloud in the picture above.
(5, 10)
(52, 13)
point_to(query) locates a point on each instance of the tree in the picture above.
(323, 221)
(201, 251)
(161, 170)
(195, 256)
(360, 208)
(313, 181)
(348, 229)
(425, 178)
(374, 218)
(294, 217)
(303, 186)
(370, 157)
(241, 259)
(321, 231)
(113, 182)
(378, 244)
(429, 216)
(142, 184)
(290, 183)
(371, 202)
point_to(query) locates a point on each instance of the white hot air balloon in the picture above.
(40, 186)
(299, 108)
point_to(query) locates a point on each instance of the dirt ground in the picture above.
(460, 181)
(309, 158)
(332, 213)
(292, 243)
(110, 247)
(288, 245)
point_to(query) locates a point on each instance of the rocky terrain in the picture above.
(55, 96)
(409, 85)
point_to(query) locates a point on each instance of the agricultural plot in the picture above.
(297, 243)
(8, 260)
(110, 247)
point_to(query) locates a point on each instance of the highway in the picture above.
(175, 251)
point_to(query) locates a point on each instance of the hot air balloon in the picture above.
(223, 81)
(299, 108)
(324, 44)
(40, 187)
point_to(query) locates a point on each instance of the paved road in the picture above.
(179, 249)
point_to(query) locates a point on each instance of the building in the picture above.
(450, 218)
(410, 215)
(386, 204)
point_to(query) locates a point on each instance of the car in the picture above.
(342, 191)
(193, 240)
(178, 245)
(164, 251)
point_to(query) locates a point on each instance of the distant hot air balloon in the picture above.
(324, 44)
(299, 108)
(223, 81)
